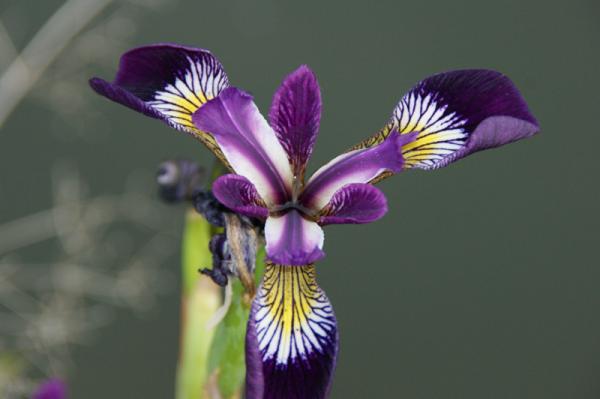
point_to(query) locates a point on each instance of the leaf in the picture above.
(227, 356)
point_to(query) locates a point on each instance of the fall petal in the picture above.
(292, 340)
(168, 82)
(457, 113)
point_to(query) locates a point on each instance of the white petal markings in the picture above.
(293, 317)
(441, 133)
(203, 80)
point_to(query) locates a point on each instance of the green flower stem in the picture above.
(201, 298)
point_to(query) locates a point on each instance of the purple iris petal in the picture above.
(165, 81)
(124, 97)
(460, 112)
(239, 194)
(358, 166)
(354, 204)
(295, 115)
(292, 340)
(293, 240)
(51, 389)
(248, 142)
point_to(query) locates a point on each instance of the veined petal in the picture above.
(358, 166)
(239, 194)
(167, 82)
(295, 116)
(248, 143)
(355, 204)
(458, 113)
(293, 240)
(292, 340)
(51, 389)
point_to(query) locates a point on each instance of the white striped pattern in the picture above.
(441, 133)
(293, 317)
(203, 80)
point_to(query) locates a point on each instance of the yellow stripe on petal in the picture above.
(192, 88)
(293, 316)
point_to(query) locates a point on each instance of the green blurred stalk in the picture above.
(227, 362)
(201, 297)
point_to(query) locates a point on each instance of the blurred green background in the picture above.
(482, 280)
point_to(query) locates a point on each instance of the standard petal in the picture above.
(248, 143)
(458, 113)
(354, 204)
(292, 340)
(295, 116)
(358, 166)
(167, 82)
(293, 240)
(239, 194)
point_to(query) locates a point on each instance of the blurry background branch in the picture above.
(101, 268)
(42, 50)
(102, 253)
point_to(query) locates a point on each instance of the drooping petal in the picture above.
(168, 82)
(51, 389)
(248, 142)
(239, 194)
(293, 240)
(292, 340)
(295, 116)
(458, 113)
(358, 166)
(354, 204)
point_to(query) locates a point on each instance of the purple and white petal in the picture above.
(291, 239)
(292, 339)
(51, 389)
(357, 166)
(239, 194)
(248, 143)
(295, 115)
(355, 204)
(165, 81)
(458, 113)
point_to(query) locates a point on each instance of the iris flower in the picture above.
(292, 338)
(51, 389)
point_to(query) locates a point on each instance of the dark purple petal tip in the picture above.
(239, 194)
(51, 389)
(295, 115)
(292, 338)
(118, 94)
(355, 204)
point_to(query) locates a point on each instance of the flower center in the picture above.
(293, 203)
(278, 210)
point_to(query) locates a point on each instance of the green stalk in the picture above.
(201, 297)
